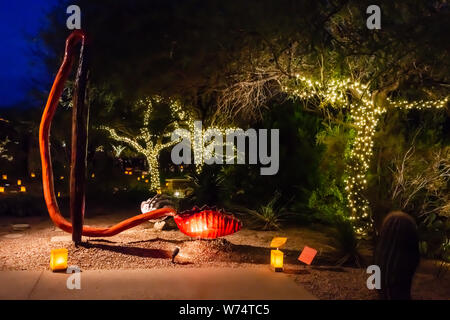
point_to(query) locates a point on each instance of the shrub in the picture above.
(22, 205)
(346, 242)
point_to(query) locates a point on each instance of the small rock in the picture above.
(13, 235)
(20, 226)
(158, 226)
(61, 239)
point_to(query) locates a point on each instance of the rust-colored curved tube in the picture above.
(75, 37)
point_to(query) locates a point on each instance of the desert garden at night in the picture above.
(184, 149)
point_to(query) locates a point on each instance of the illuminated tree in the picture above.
(150, 144)
(364, 111)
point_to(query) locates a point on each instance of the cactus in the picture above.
(397, 255)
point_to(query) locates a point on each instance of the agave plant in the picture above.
(269, 215)
(347, 244)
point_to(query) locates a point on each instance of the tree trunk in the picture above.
(153, 165)
(80, 115)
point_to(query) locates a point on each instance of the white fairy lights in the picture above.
(151, 145)
(365, 116)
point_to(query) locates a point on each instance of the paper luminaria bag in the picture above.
(58, 259)
(276, 260)
(307, 255)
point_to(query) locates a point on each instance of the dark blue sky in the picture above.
(20, 20)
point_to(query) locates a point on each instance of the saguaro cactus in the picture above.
(397, 255)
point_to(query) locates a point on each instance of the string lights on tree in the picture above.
(151, 145)
(365, 114)
(118, 150)
(148, 144)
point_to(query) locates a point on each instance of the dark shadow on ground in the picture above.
(100, 240)
(332, 269)
(288, 270)
(159, 239)
(135, 251)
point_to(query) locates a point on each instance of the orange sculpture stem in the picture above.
(75, 37)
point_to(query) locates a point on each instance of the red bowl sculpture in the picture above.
(207, 223)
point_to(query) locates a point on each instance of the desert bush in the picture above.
(421, 187)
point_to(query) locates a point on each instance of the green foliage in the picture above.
(414, 136)
(208, 186)
(346, 243)
(434, 234)
(410, 172)
(328, 200)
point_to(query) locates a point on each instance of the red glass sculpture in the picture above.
(207, 223)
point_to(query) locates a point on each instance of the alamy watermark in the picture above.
(74, 280)
(74, 20)
(374, 280)
(374, 20)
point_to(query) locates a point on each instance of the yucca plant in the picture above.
(208, 187)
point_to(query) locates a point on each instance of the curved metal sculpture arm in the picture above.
(75, 38)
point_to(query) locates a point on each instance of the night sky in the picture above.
(20, 20)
